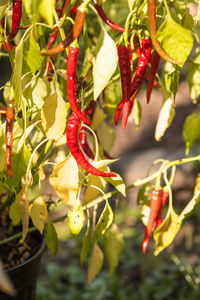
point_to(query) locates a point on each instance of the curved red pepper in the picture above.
(155, 204)
(163, 198)
(72, 142)
(105, 18)
(71, 83)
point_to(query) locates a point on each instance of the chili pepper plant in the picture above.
(58, 117)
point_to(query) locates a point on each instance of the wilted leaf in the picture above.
(53, 116)
(191, 130)
(104, 222)
(15, 213)
(165, 118)
(95, 263)
(39, 213)
(113, 246)
(105, 63)
(166, 232)
(51, 238)
(176, 40)
(65, 180)
(75, 219)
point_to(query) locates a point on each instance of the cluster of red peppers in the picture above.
(157, 202)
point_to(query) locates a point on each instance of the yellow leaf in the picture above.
(53, 116)
(15, 213)
(95, 263)
(64, 180)
(39, 213)
(75, 218)
(98, 118)
(22, 202)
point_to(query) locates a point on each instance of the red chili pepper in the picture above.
(125, 72)
(16, 18)
(141, 66)
(71, 83)
(73, 34)
(83, 140)
(72, 142)
(153, 32)
(105, 18)
(8, 134)
(163, 198)
(155, 204)
(154, 67)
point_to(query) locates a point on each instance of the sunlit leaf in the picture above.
(75, 219)
(118, 183)
(17, 73)
(137, 113)
(105, 63)
(176, 40)
(91, 192)
(130, 4)
(191, 130)
(36, 91)
(104, 222)
(166, 232)
(51, 238)
(53, 116)
(39, 213)
(46, 10)
(113, 96)
(65, 180)
(171, 78)
(15, 213)
(113, 246)
(34, 58)
(95, 263)
(3, 6)
(165, 118)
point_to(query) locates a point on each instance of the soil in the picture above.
(15, 253)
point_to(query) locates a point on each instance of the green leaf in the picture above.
(130, 4)
(105, 63)
(2, 148)
(15, 213)
(137, 113)
(143, 197)
(98, 117)
(95, 263)
(106, 135)
(51, 238)
(171, 77)
(118, 183)
(28, 5)
(86, 245)
(75, 219)
(39, 213)
(191, 130)
(165, 118)
(187, 21)
(176, 40)
(193, 76)
(113, 246)
(166, 232)
(46, 10)
(34, 58)
(36, 92)
(17, 74)
(53, 114)
(104, 222)
(113, 96)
